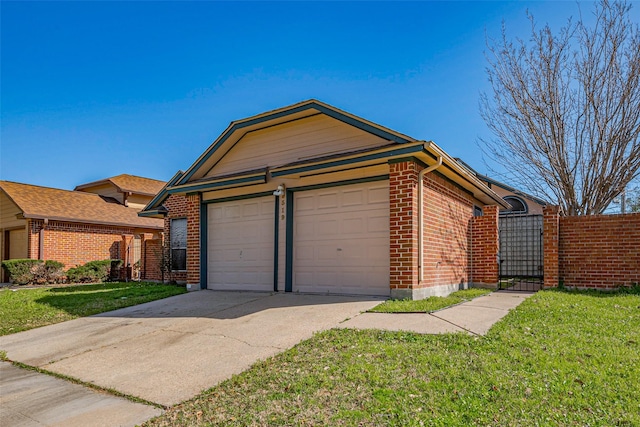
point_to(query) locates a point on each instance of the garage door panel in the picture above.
(350, 240)
(240, 245)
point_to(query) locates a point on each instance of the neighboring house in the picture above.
(521, 202)
(75, 227)
(309, 198)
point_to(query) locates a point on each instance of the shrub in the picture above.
(21, 270)
(48, 272)
(93, 271)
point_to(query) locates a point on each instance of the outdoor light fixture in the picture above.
(279, 191)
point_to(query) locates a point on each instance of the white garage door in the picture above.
(240, 245)
(341, 240)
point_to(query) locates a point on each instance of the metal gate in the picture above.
(521, 252)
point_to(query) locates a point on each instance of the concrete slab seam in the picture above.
(457, 326)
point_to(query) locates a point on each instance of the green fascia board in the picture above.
(163, 194)
(311, 105)
(341, 162)
(215, 185)
(154, 213)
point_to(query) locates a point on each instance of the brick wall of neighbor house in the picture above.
(152, 259)
(596, 251)
(177, 207)
(75, 244)
(484, 249)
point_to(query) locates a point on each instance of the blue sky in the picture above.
(95, 89)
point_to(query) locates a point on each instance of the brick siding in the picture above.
(596, 251)
(177, 207)
(74, 244)
(484, 251)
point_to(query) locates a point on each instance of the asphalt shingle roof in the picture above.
(130, 183)
(74, 206)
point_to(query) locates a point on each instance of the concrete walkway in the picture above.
(28, 398)
(474, 317)
(169, 350)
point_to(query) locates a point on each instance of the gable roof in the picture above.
(129, 184)
(238, 128)
(37, 202)
(399, 146)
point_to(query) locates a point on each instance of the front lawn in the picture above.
(560, 358)
(22, 309)
(431, 304)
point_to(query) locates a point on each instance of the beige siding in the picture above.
(107, 190)
(8, 212)
(18, 244)
(290, 142)
(534, 208)
(137, 201)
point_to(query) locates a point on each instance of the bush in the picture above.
(48, 272)
(21, 270)
(93, 271)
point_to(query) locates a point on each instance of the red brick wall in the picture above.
(599, 251)
(403, 238)
(484, 251)
(177, 207)
(75, 244)
(193, 239)
(152, 260)
(447, 214)
(550, 224)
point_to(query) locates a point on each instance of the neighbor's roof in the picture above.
(74, 206)
(129, 183)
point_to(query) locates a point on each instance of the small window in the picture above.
(518, 206)
(178, 244)
(477, 211)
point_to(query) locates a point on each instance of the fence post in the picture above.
(551, 231)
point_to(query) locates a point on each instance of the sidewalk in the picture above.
(474, 317)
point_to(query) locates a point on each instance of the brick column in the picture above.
(193, 242)
(551, 231)
(403, 238)
(485, 246)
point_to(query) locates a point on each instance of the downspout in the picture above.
(421, 175)
(41, 239)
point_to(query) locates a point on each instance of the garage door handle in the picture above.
(339, 249)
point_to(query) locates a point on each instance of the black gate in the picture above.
(521, 252)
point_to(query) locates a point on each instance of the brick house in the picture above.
(309, 198)
(75, 227)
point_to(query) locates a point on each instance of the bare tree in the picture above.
(565, 109)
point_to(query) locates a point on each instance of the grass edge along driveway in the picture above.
(560, 358)
(22, 309)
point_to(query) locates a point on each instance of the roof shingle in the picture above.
(74, 206)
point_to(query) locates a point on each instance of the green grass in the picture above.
(559, 359)
(430, 304)
(23, 309)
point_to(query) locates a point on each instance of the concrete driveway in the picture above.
(169, 350)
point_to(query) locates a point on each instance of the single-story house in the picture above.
(75, 227)
(521, 202)
(310, 198)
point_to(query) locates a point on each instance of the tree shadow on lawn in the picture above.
(79, 287)
(102, 297)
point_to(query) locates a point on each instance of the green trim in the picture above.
(288, 276)
(308, 106)
(204, 242)
(276, 226)
(152, 213)
(364, 158)
(241, 197)
(163, 194)
(408, 159)
(262, 178)
(288, 272)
